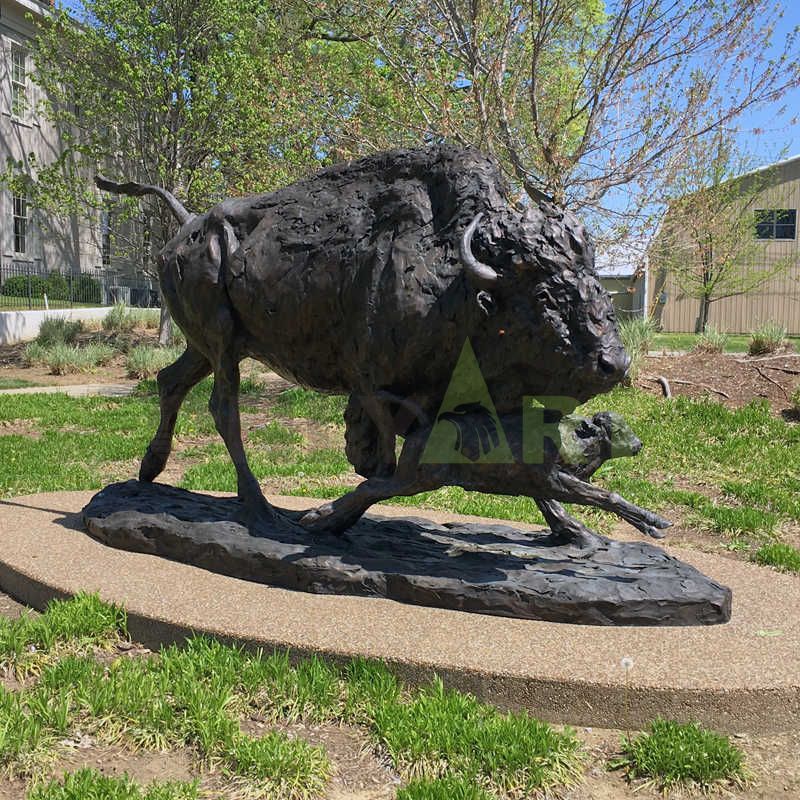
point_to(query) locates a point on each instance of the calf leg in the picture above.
(574, 490)
(566, 528)
(337, 516)
(174, 383)
(224, 407)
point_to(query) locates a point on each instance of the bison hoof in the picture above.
(152, 466)
(318, 513)
(655, 532)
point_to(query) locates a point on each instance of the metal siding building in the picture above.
(777, 300)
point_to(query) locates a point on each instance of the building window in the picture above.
(105, 238)
(20, 224)
(776, 223)
(19, 83)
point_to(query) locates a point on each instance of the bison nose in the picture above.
(607, 366)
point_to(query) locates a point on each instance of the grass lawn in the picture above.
(74, 681)
(15, 383)
(734, 474)
(736, 342)
(37, 304)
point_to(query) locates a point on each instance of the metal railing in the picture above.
(28, 285)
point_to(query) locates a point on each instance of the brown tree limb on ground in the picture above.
(771, 380)
(664, 385)
(784, 369)
(702, 386)
(751, 359)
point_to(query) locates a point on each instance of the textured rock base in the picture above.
(478, 567)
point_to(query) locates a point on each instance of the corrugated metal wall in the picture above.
(777, 300)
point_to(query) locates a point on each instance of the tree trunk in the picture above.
(164, 326)
(702, 319)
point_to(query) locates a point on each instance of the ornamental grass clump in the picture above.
(64, 359)
(637, 334)
(780, 555)
(767, 338)
(144, 361)
(57, 330)
(711, 340)
(672, 753)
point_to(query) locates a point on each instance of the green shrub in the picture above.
(145, 361)
(637, 335)
(780, 555)
(86, 289)
(18, 286)
(795, 399)
(767, 338)
(711, 341)
(671, 753)
(57, 287)
(57, 330)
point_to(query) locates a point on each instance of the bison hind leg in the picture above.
(174, 383)
(368, 447)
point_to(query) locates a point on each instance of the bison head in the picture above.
(549, 326)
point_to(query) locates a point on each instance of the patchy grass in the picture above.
(780, 555)
(447, 733)
(671, 753)
(15, 383)
(698, 465)
(78, 625)
(86, 784)
(735, 342)
(195, 697)
(297, 402)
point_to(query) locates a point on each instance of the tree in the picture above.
(707, 240)
(201, 97)
(575, 97)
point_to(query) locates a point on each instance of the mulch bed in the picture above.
(734, 379)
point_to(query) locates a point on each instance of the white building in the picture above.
(29, 238)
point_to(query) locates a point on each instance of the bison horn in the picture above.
(481, 273)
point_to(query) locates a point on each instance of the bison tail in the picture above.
(138, 189)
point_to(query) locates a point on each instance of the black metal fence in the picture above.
(28, 285)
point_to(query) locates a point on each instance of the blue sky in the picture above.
(780, 138)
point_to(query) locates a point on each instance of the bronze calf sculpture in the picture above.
(561, 475)
(366, 279)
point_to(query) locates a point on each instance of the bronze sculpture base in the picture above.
(482, 568)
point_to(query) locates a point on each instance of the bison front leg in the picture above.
(574, 490)
(174, 383)
(224, 407)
